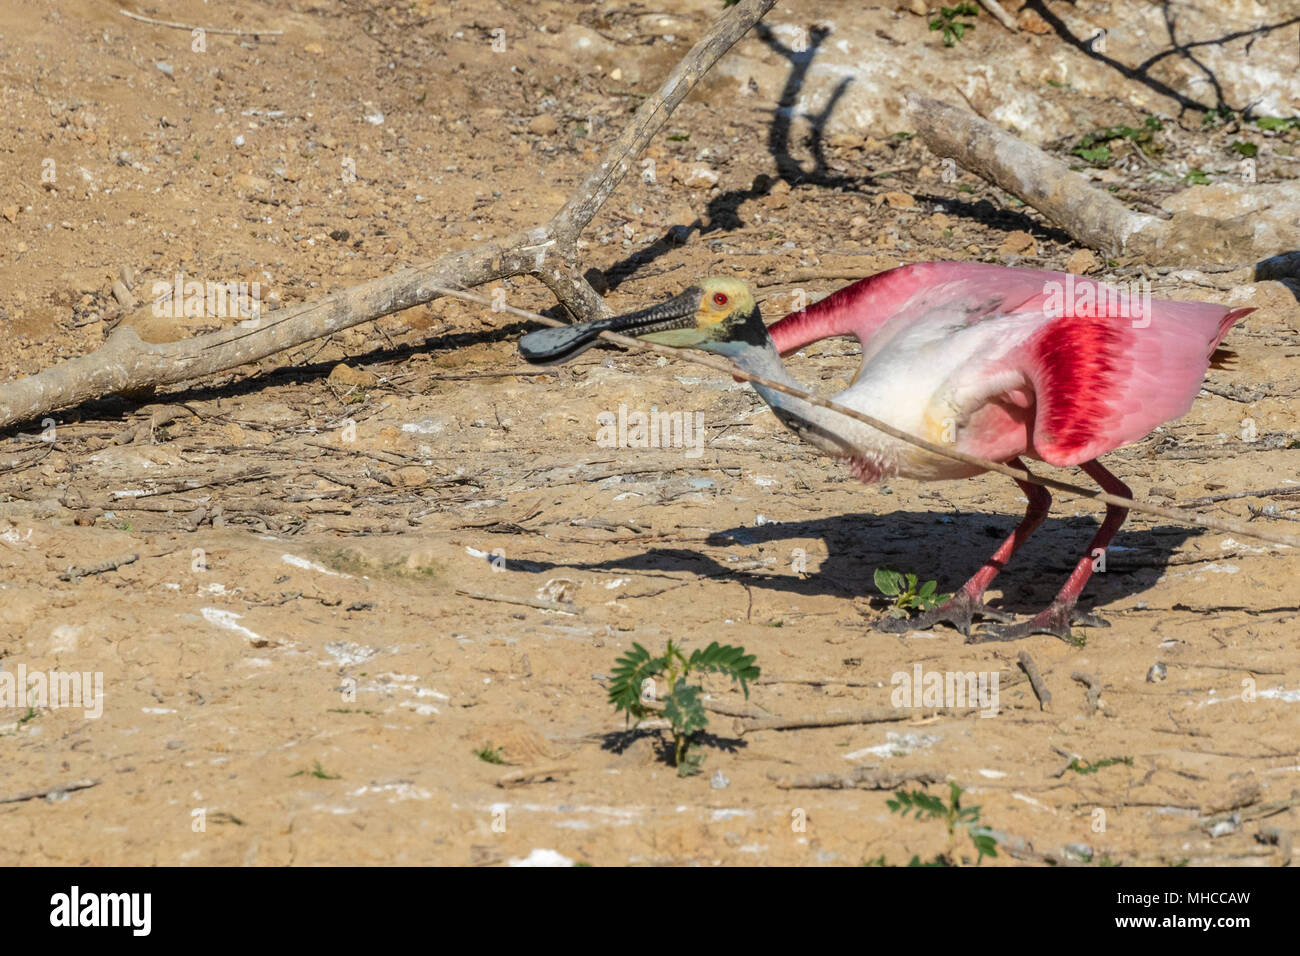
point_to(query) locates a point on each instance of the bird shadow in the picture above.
(946, 548)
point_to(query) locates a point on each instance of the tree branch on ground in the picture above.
(127, 362)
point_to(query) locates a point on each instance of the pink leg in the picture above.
(1057, 617)
(968, 600)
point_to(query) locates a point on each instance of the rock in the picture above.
(123, 294)
(251, 183)
(343, 374)
(543, 124)
(1031, 22)
(897, 200)
(411, 476)
(1273, 209)
(1017, 243)
(10, 213)
(1157, 673)
(1082, 262)
(698, 177)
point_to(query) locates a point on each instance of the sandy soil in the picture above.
(359, 566)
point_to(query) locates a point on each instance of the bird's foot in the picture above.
(960, 611)
(1056, 620)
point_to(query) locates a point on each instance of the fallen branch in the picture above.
(522, 602)
(1036, 681)
(49, 791)
(862, 778)
(127, 362)
(1093, 694)
(517, 778)
(74, 573)
(879, 716)
(1093, 217)
(225, 31)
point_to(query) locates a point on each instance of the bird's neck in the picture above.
(830, 431)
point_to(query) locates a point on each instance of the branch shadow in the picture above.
(1141, 73)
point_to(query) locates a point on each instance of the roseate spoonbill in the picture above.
(1001, 363)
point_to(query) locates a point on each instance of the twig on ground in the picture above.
(224, 31)
(73, 573)
(861, 778)
(1093, 695)
(1035, 681)
(517, 778)
(879, 716)
(522, 602)
(49, 791)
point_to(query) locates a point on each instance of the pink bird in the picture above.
(997, 362)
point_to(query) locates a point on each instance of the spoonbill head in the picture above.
(714, 315)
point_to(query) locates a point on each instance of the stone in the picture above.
(543, 124)
(1081, 262)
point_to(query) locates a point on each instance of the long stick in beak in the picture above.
(559, 345)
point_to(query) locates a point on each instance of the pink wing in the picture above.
(918, 291)
(1070, 382)
(1100, 382)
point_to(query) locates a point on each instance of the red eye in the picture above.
(719, 298)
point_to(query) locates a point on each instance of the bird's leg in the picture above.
(968, 601)
(1061, 613)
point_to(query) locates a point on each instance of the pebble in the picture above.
(700, 177)
(1157, 673)
(1082, 262)
(123, 294)
(543, 124)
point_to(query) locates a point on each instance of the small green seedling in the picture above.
(1094, 148)
(1278, 123)
(954, 29)
(489, 754)
(682, 706)
(924, 806)
(1084, 767)
(907, 595)
(316, 771)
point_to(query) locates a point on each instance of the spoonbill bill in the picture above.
(997, 362)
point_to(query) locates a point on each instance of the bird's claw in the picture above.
(1056, 620)
(959, 611)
